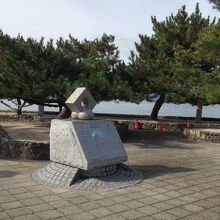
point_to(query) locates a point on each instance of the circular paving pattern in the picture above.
(59, 175)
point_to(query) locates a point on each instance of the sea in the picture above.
(144, 108)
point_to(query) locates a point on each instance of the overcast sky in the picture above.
(124, 19)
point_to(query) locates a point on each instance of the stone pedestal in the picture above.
(82, 150)
(85, 144)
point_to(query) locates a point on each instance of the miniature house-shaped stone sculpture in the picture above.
(84, 147)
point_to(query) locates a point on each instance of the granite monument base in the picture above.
(85, 144)
(60, 175)
(86, 155)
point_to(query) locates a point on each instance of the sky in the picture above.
(125, 19)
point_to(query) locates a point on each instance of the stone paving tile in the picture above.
(176, 202)
(11, 205)
(189, 198)
(58, 190)
(206, 185)
(216, 209)
(8, 198)
(216, 189)
(172, 187)
(162, 205)
(111, 217)
(62, 218)
(200, 195)
(88, 206)
(147, 218)
(126, 190)
(69, 194)
(78, 200)
(134, 188)
(28, 217)
(68, 210)
(94, 196)
(105, 194)
(185, 191)
(100, 212)
(193, 208)
(148, 210)
(173, 194)
(148, 200)
(179, 212)
(209, 215)
(195, 217)
(147, 185)
(118, 208)
(161, 197)
(134, 204)
(196, 188)
(24, 180)
(135, 195)
(121, 199)
(4, 215)
(31, 201)
(132, 214)
(160, 190)
(15, 186)
(38, 188)
(44, 192)
(81, 216)
(149, 193)
(205, 203)
(164, 216)
(19, 211)
(18, 190)
(27, 195)
(49, 214)
(215, 200)
(50, 198)
(159, 183)
(4, 193)
(40, 207)
(210, 192)
(59, 203)
(105, 202)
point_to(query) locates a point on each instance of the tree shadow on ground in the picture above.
(7, 173)
(149, 171)
(157, 139)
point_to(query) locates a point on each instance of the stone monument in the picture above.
(85, 147)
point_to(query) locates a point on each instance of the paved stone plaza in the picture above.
(181, 181)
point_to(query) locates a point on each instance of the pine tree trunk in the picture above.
(65, 113)
(19, 110)
(199, 111)
(40, 110)
(157, 106)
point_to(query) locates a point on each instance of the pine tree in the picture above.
(157, 67)
(46, 73)
(216, 4)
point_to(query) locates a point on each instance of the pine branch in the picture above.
(7, 105)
